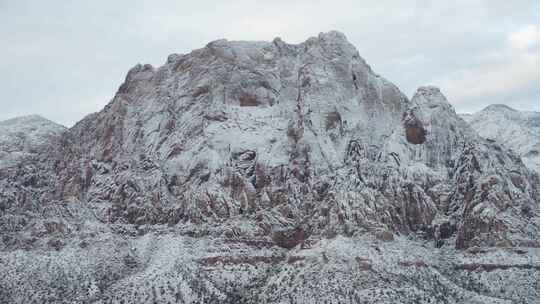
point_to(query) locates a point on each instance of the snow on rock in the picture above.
(266, 172)
(26, 171)
(22, 136)
(517, 130)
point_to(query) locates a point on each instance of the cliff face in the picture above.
(278, 159)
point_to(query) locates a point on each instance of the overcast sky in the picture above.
(65, 59)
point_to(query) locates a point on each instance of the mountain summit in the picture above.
(268, 172)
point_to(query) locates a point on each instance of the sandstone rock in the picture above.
(302, 144)
(385, 236)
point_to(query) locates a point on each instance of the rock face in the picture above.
(27, 147)
(518, 130)
(240, 172)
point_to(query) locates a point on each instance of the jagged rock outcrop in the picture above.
(279, 159)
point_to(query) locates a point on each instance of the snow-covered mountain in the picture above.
(25, 136)
(518, 130)
(267, 172)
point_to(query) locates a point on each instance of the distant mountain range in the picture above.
(517, 130)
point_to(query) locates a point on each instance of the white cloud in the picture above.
(525, 38)
(488, 80)
(497, 74)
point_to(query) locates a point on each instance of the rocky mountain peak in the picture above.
(30, 121)
(498, 108)
(431, 97)
(334, 36)
(229, 173)
(518, 130)
(229, 129)
(27, 133)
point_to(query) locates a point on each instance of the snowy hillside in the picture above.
(26, 135)
(518, 130)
